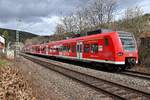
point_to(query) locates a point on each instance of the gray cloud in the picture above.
(25, 9)
(36, 11)
(127, 3)
(33, 12)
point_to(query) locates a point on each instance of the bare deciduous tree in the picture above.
(92, 16)
(133, 20)
(59, 29)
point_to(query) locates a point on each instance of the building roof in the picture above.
(145, 34)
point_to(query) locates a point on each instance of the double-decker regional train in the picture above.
(106, 48)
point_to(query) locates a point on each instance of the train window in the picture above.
(106, 42)
(64, 48)
(73, 49)
(68, 48)
(61, 48)
(37, 49)
(80, 48)
(94, 48)
(86, 48)
(44, 49)
(57, 49)
(50, 50)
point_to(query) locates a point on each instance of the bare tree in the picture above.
(133, 20)
(101, 11)
(68, 23)
(94, 15)
(59, 29)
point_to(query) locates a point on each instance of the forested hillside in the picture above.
(12, 35)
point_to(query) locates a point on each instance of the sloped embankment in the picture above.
(12, 84)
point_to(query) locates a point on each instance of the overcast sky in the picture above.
(41, 16)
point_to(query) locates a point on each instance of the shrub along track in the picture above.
(110, 88)
(13, 85)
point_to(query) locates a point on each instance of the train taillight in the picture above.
(120, 53)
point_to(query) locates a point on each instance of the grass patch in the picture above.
(2, 62)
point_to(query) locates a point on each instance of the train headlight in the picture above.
(120, 53)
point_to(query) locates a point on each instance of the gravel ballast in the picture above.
(132, 82)
(140, 84)
(50, 85)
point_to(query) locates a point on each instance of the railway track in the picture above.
(112, 89)
(137, 74)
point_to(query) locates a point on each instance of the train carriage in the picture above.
(117, 48)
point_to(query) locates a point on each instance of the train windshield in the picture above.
(128, 41)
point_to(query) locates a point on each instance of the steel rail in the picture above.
(135, 74)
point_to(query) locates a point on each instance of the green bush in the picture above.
(144, 56)
(2, 59)
(2, 62)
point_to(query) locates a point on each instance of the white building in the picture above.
(2, 44)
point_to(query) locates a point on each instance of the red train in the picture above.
(109, 48)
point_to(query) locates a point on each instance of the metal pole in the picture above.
(17, 43)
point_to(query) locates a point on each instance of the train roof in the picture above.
(104, 33)
(82, 38)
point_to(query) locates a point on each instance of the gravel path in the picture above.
(50, 85)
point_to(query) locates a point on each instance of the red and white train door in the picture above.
(79, 50)
(47, 50)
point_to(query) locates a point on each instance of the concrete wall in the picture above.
(10, 54)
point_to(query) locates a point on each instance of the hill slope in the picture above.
(12, 35)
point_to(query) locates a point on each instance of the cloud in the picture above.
(122, 4)
(45, 27)
(145, 5)
(41, 16)
(26, 9)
